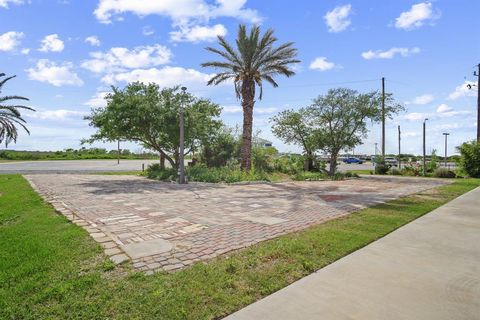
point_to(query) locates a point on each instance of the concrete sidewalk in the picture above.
(428, 269)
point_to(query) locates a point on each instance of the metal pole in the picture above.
(118, 150)
(181, 168)
(446, 135)
(383, 117)
(399, 149)
(424, 159)
(478, 105)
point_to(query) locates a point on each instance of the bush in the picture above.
(219, 149)
(412, 169)
(395, 172)
(444, 173)
(349, 174)
(154, 171)
(338, 176)
(470, 158)
(289, 164)
(263, 158)
(381, 168)
(309, 176)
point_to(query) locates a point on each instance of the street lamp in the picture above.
(446, 135)
(424, 159)
(181, 167)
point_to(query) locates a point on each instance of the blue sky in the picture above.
(67, 53)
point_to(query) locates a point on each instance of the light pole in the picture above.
(181, 167)
(424, 160)
(446, 135)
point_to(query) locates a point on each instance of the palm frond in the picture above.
(6, 98)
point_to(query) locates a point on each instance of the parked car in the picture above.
(392, 162)
(352, 160)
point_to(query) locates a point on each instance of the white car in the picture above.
(390, 161)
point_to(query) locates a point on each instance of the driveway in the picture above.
(168, 226)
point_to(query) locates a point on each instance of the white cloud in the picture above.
(389, 54)
(164, 77)
(232, 109)
(51, 43)
(410, 134)
(4, 3)
(198, 33)
(61, 114)
(180, 11)
(147, 31)
(120, 59)
(423, 99)
(463, 91)
(415, 116)
(98, 100)
(268, 110)
(10, 40)
(443, 108)
(321, 64)
(338, 20)
(93, 41)
(417, 16)
(25, 51)
(53, 73)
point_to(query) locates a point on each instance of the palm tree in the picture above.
(10, 116)
(255, 60)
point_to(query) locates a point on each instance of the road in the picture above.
(93, 166)
(73, 166)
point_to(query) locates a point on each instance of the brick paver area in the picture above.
(168, 226)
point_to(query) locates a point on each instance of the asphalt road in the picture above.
(73, 166)
(92, 166)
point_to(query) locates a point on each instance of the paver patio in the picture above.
(168, 226)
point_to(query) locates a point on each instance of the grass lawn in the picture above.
(51, 269)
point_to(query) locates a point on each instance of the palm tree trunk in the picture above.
(248, 94)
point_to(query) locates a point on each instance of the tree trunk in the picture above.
(248, 95)
(162, 161)
(333, 164)
(308, 165)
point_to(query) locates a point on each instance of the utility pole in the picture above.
(118, 151)
(383, 117)
(478, 103)
(399, 149)
(424, 159)
(181, 168)
(446, 135)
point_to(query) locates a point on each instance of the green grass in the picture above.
(51, 269)
(360, 171)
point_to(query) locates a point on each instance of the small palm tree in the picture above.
(10, 116)
(255, 60)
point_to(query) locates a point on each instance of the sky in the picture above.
(67, 54)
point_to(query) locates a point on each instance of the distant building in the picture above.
(262, 143)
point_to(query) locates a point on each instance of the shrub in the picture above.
(263, 158)
(289, 164)
(412, 169)
(381, 168)
(309, 176)
(395, 172)
(444, 173)
(154, 171)
(219, 149)
(470, 158)
(338, 176)
(349, 174)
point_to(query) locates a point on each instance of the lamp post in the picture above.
(446, 135)
(181, 167)
(424, 159)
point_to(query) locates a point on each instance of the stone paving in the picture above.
(163, 226)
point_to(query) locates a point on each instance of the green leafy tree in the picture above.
(143, 113)
(341, 116)
(10, 117)
(219, 149)
(254, 61)
(297, 127)
(470, 158)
